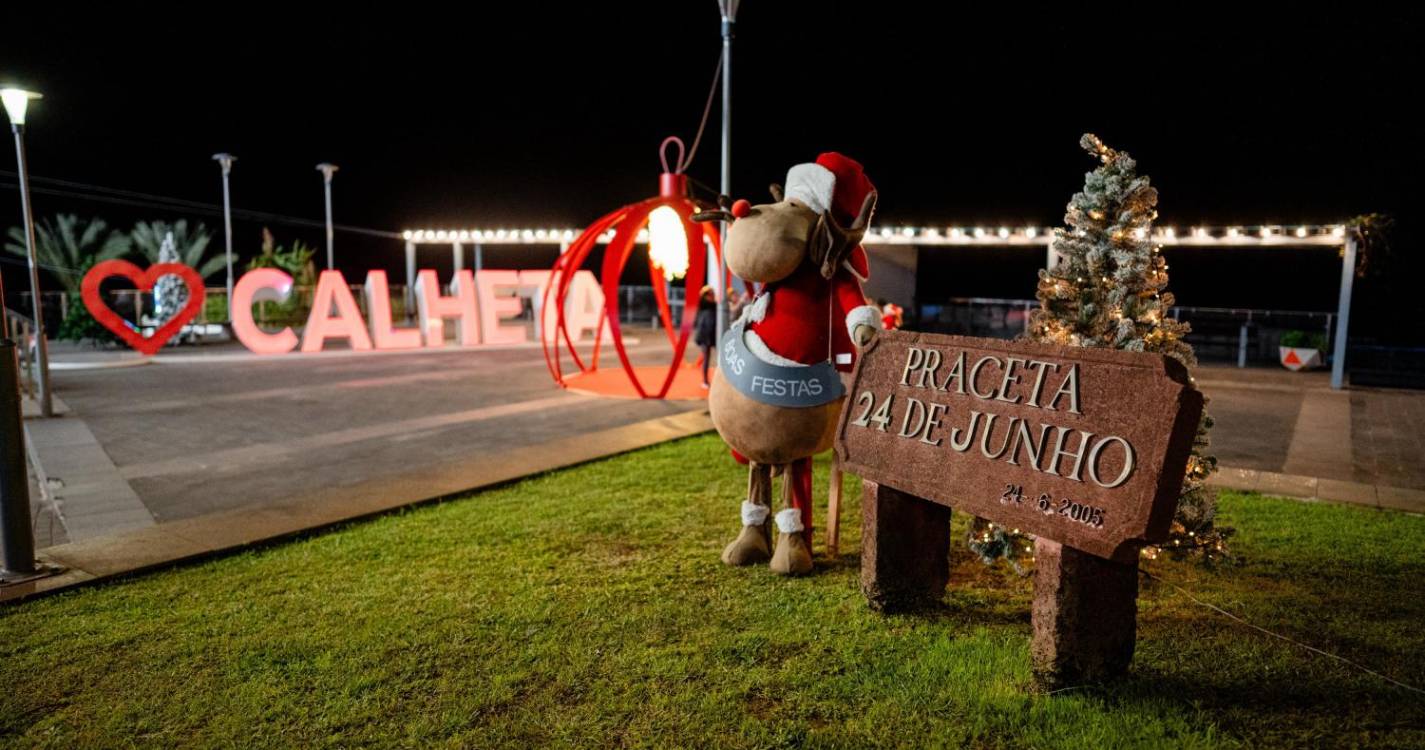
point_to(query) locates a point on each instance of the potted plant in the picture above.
(1300, 350)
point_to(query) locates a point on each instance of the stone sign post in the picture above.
(1084, 448)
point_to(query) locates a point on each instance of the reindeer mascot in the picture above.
(777, 392)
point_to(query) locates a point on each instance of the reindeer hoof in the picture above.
(792, 557)
(749, 548)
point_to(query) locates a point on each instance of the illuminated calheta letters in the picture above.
(477, 302)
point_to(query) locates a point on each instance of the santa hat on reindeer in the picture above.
(836, 188)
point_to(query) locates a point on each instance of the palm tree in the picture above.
(67, 246)
(191, 245)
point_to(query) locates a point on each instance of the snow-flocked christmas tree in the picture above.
(1109, 289)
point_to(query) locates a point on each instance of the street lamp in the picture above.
(327, 171)
(226, 161)
(728, 9)
(17, 101)
(16, 533)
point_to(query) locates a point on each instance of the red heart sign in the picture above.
(144, 280)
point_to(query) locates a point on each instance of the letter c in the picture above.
(261, 285)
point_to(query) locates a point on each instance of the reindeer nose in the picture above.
(741, 209)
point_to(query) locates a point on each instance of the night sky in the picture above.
(535, 115)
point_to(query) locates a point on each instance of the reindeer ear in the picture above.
(822, 249)
(868, 207)
(777, 194)
(818, 242)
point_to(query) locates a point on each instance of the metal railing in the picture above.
(1222, 334)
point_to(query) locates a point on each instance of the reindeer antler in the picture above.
(721, 213)
(830, 243)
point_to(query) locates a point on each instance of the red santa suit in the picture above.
(790, 319)
(805, 318)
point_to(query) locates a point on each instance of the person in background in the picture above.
(892, 315)
(735, 303)
(705, 328)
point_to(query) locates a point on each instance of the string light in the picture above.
(1312, 234)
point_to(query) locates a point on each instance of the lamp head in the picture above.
(224, 159)
(327, 169)
(16, 100)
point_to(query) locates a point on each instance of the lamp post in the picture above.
(729, 21)
(16, 101)
(327, 171)
(16, 533)
(226, 161)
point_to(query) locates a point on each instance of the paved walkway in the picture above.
(196, 434)
(1271, 420)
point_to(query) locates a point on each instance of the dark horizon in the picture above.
(532, 117)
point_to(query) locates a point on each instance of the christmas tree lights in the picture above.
(1109, 289)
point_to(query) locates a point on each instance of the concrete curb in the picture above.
(1302, 487)
(167, 544)
(102, 364)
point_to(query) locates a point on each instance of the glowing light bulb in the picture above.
(668, 243)
(16, 102)
(1301, 231)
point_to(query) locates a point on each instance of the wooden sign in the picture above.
(1086, 447)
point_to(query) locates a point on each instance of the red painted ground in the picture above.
(613, 382)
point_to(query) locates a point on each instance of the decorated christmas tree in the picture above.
(1109, 289)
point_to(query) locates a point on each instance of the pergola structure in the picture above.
(1240, 236)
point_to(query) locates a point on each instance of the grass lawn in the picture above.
(588, 608)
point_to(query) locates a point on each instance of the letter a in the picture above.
(346, 323)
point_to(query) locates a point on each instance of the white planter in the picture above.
(1299, 358)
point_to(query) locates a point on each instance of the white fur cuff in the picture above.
(754, 514)
(789, 521)
(811, 184)
(865, 315)
(756, 311)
